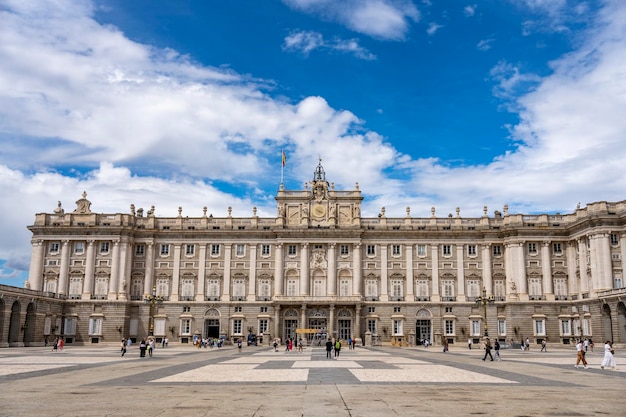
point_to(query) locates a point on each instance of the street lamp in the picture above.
(484, 300)
(153, 300)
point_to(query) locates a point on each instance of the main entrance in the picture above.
(422, 331)
(290, 329)
(318, 337)
(212, 328)
(345, 329)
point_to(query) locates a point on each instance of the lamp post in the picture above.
(153, 300)
(484, 300)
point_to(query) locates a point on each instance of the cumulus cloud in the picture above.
(307, 41)
(383, 19)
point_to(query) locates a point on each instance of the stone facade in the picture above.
(319, 269)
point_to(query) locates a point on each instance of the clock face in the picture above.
(319, 210)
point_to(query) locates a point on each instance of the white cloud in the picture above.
(307, 41)
(433, 28)
(485, 44)
(470, 10)
(384, 19)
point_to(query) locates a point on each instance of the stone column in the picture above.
(606, 279)
(357, 321)
(572, 279)
(148, 282)
(252, 282)
(228, 249)
(201, 292)
(460, 273)
(35, 274)
(357, 283)
(304, 269)
(89, 271)
(582, 265)
(384, 274)
(622, 245)
(331, 320)
(302, 318)
(434, 249)
(331, 284)
(115, 270)
(277, 321)
(410, 279)
(520, 261)
(125, 263)
(278, 272)
(65, 267)
(546, 271)
(176, 273)
(487, 272)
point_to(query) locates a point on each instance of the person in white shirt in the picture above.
(580, 354)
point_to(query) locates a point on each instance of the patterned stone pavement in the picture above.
(182, 380)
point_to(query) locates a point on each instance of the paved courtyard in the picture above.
(186, 381)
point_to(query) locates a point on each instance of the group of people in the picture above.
(333, 346)
(608, 361)
(57, 344)
(488, 347)
(144, 346)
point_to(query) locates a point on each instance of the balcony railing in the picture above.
(212, 298)
(422, 298)
(452, 298)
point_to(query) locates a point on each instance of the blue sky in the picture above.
(424, 103)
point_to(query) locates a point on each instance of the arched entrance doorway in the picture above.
(290, 324)
(212, 324)
(14, 325)
(29, 325)
(423, 327)
(318, 320)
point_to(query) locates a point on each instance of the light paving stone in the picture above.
(425, 374)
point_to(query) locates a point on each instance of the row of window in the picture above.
(344, 250)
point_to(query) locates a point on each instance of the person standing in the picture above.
(469, 343)
(55, 344)
(527, 344)
(61, 343)
(496, 348)
(142, 348)
(123, 347)
(487, 349)
(609, 356)
(329, 348)
(337, 348)
(580, 354)
(544, 346)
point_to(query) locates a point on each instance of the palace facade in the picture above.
(318, 269)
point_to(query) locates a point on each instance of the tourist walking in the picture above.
(496, 348)
(469, 343)
(337, 348)
(580, 354)
(123, 347)
(487, 349)
(55, 344)
(544, 346)
(329, 348)
(609, 356)
(142, 348)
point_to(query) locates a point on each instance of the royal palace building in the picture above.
(318, 269)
